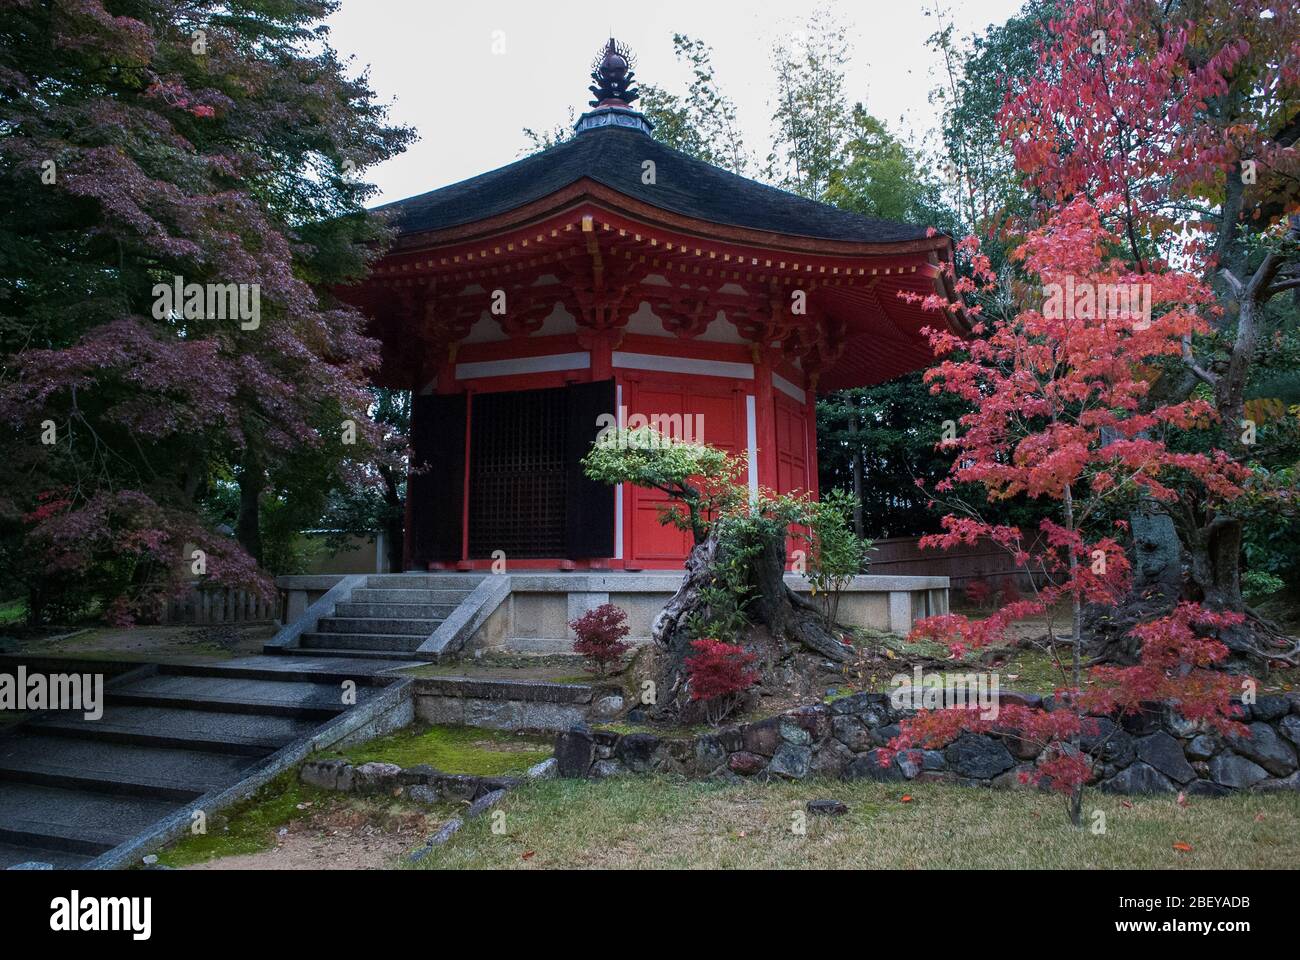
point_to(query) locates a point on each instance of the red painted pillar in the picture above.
(449, 384)
(601, 347)
(765, 417)
(810, 434)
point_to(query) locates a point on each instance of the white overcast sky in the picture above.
(434, 62)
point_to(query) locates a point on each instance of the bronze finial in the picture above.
(613, 75)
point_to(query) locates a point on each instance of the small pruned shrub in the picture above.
(600, 634)
(719, 673)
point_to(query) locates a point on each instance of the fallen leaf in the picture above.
(1126, 804)
(1259, 818)
(905, 798)
(529, 854)
(1182, 799)
(1182, 847)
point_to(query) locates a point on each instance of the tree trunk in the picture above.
(1206, 570)
(781, 621)
(248, 527)
(1158, 584)
(857, 470)
(395, 528)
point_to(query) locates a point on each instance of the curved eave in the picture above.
(588, 190)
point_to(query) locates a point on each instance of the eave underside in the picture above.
(602, 260)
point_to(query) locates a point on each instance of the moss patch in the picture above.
(485, 753)
(248, 826)
(285, 811)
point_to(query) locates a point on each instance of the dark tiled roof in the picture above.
(613, 156)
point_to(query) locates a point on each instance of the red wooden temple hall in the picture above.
(610, 274)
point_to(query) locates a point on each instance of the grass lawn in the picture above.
(12, 611)
(660, 823)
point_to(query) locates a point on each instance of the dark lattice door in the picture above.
(518, 474)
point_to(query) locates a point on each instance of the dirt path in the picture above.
(340, 839)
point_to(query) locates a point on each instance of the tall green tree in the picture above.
(810, 111)
(984, 186)
(148, 146)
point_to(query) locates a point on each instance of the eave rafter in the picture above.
(602, 260)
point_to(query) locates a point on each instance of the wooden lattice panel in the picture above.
(517, 474)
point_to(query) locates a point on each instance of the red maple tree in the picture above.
(719, 672)
(1063, 417)
(1179, 122)
(600, 634)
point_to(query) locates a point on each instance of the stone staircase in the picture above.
(387, 618)
(73, 789)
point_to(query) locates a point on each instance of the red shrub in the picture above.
(718, 672)
(1009, 590)
(978, 593)
(600, 636)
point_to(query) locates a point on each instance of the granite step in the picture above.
(424, 581)
(363, 644)
(394, 611)
(397, 657)
(11, 855)
(385, 625)
(449, 597)
(117, 768)
(251, 735)
(281, 698)
(269, 668)
(73, 821)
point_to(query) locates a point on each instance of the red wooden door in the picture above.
(650, 544)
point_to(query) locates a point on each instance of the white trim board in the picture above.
(505, 368)
(788, 388)
(751, 432)
(702, 368)
(618, 489)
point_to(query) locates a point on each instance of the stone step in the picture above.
(73, 821)
(424, 581)
(252, 735)
(396, 657)
(394, 611)
(263, 668)
(384, 625)
(288, 698)
(362, 644)
(11, 855)
(450, 597)
(118, 768)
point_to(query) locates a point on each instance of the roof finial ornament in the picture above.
(612, 71)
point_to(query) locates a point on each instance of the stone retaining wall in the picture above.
(1150, 752)
(513, 704)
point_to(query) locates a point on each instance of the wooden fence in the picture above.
(901, 556)
(219, 605)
